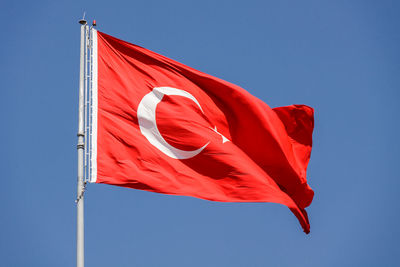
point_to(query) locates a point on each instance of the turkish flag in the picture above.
(164, 127)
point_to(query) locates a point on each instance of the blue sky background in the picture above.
(340, 57)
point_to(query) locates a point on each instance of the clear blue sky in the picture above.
(340, 57)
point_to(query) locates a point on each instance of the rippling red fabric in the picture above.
(246, 151)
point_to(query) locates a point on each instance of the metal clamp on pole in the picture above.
(80, 146)
(82, 193)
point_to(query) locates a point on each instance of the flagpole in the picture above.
(80, 257)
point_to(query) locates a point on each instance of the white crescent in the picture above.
(146, 114)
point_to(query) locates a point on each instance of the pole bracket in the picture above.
(81, 194)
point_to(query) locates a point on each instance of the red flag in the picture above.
(164, 127)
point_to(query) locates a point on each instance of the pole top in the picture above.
(83, 21)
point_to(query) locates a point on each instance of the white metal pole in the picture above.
(80, 257)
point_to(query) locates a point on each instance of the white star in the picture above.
(224, 139)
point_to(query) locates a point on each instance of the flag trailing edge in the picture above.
(252, 153)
